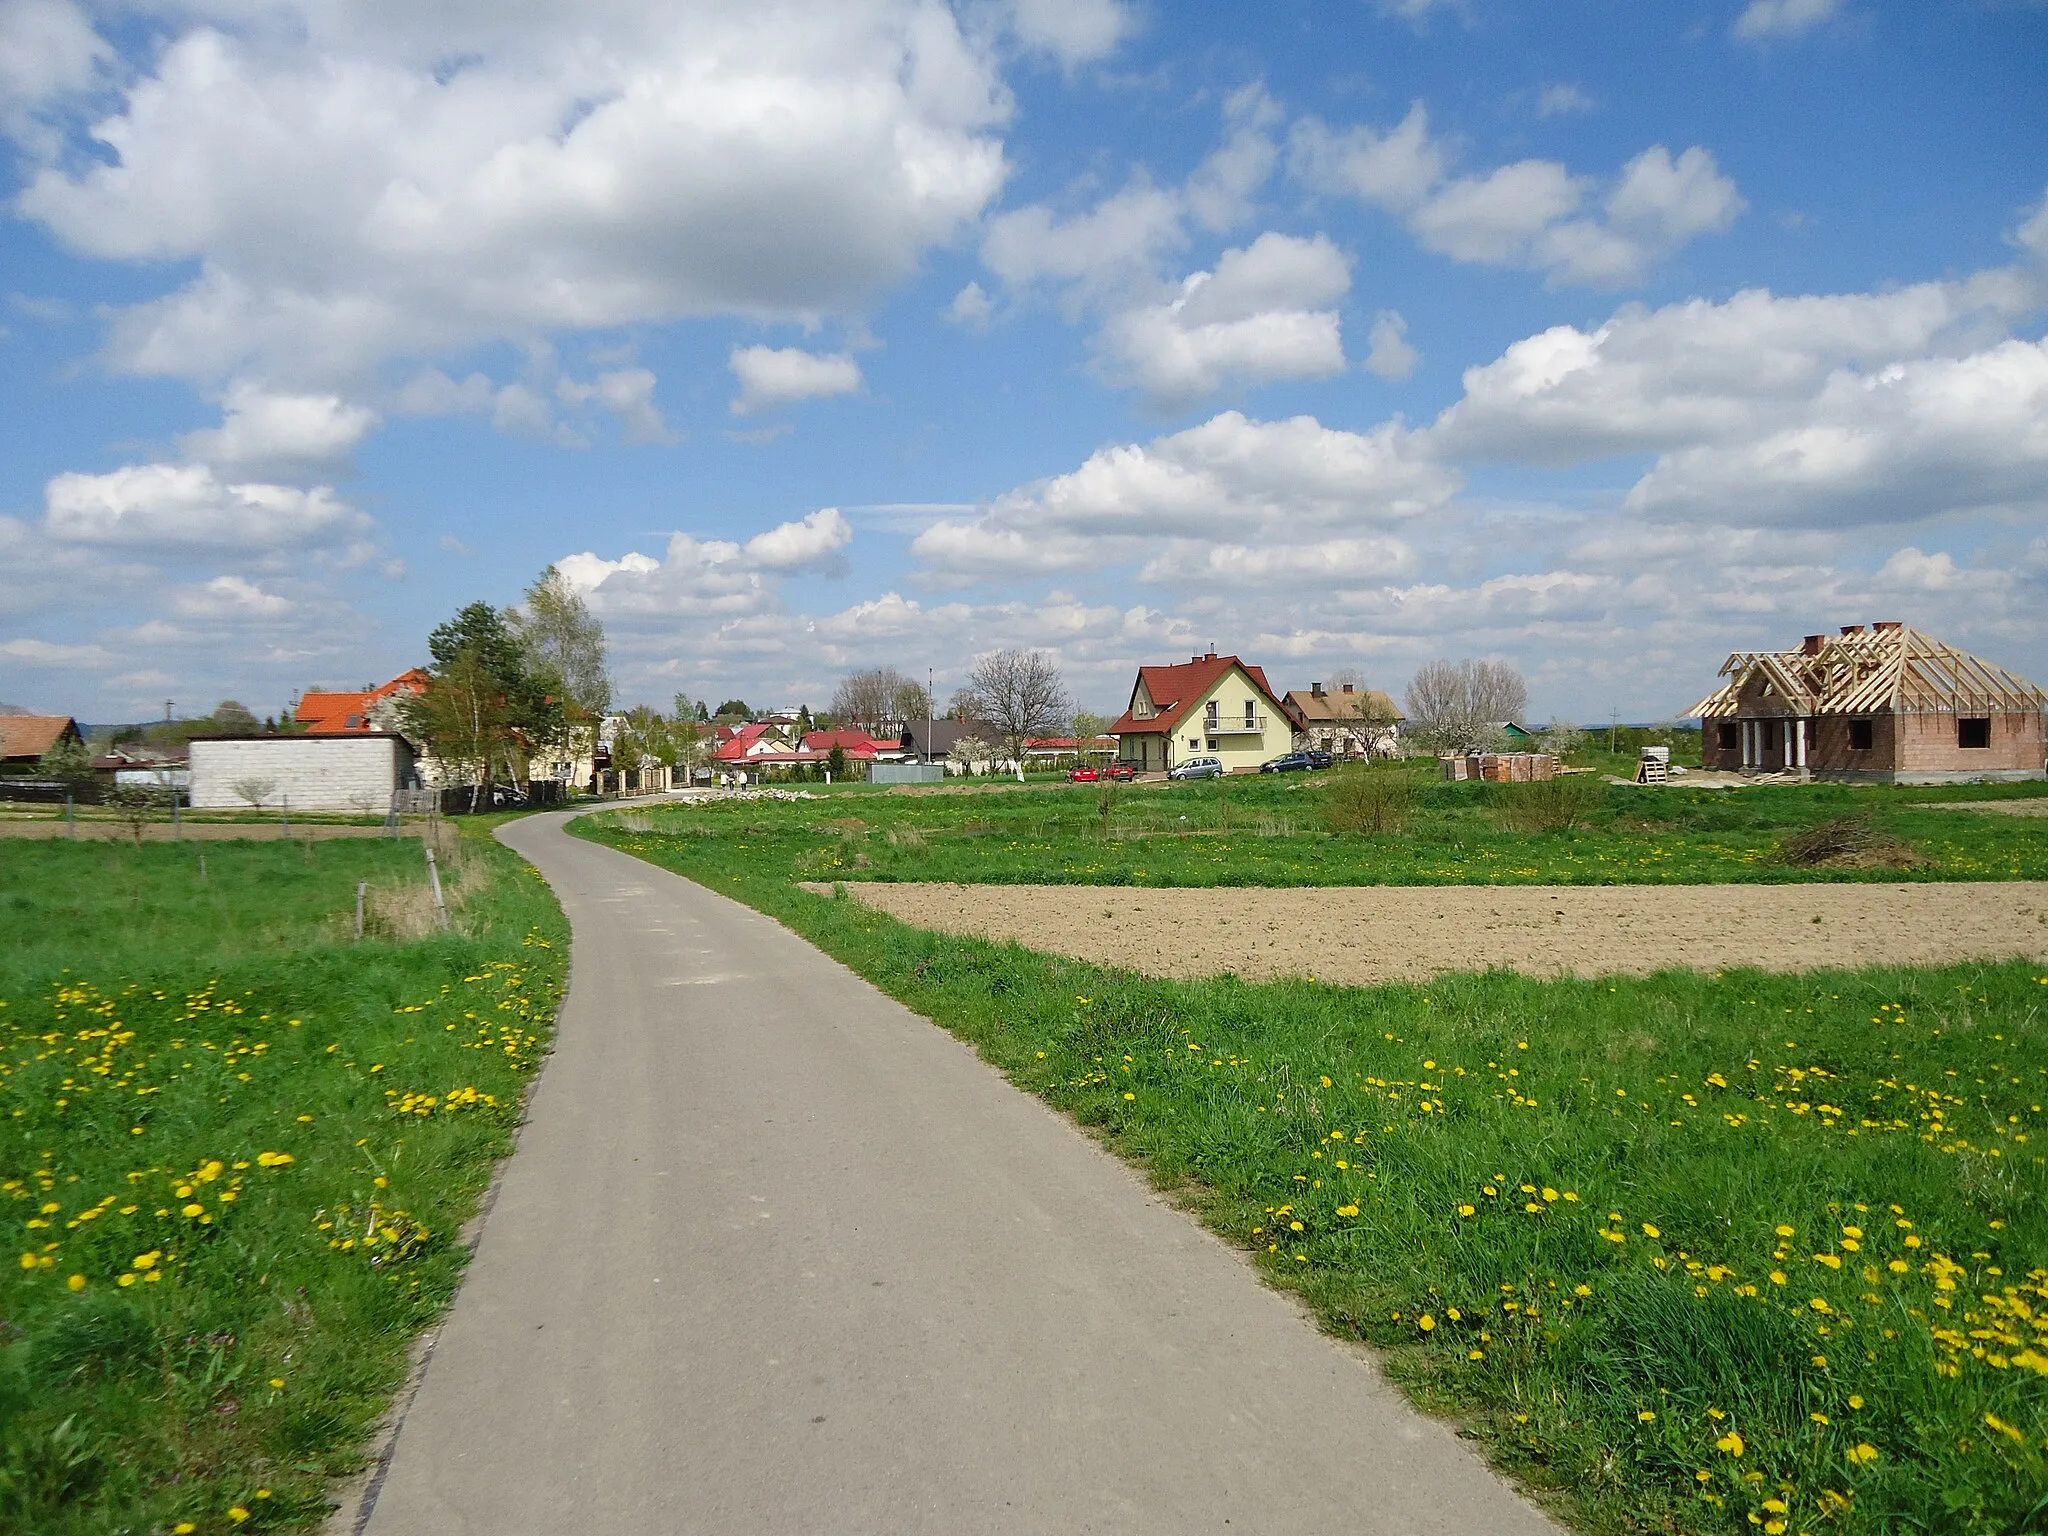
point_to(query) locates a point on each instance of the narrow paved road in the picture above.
(776, 1255)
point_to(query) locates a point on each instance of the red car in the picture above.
(1122, 773)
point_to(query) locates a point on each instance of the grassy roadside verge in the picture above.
(236, 1150)
(1696, 1253)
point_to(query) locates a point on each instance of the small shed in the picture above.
(1884, 704)
(360, 771)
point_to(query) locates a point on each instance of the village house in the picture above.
(1887, 704)
(372, 709)
(1208, 706)
(25, 738)
(1345, 720)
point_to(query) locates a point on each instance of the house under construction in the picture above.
(1887, 704)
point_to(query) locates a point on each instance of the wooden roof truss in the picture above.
(1871, 671)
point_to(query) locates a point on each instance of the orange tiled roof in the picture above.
(341, 714)
(32, 735)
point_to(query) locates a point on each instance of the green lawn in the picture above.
(1698, 1253)
(237, 1150)
(1271, 830)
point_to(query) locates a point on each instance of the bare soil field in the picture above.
(1366, 934)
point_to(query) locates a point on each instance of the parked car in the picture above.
(1197, 768)
(1121, 773)
(1288, 762)
(1318, 758)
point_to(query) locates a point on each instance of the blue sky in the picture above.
(1602, 337)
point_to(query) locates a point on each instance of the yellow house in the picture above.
(1209, 706)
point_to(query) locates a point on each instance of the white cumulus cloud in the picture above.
(1536, 214)
(772, 377)
(1261, 316)
(359, 185)
(265, 433)
(171, 506)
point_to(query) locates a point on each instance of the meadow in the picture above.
(1688, 1252)
(237, 1149)
(1272, 830)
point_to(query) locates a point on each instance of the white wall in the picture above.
(314, 773)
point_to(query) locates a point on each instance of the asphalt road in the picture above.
(777, 1255)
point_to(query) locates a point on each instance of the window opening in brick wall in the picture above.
(1973, 731)
(1727, 735)
(1862, 736)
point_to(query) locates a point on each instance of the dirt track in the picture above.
(1360, 934)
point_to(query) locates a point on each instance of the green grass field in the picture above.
(1271, 831)
(237, 1151)
(1696, 1253)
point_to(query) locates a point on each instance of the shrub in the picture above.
(1562, 804)
(1372, 801)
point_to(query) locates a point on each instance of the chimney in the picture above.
(1349, 689)
(1884, 624)
(1852, 629)
(1210, 657)
(1315, 690)
(1194, 661)
(1814, 644)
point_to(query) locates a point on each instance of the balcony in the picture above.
(1234, 725)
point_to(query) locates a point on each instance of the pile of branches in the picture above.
(1848, 840)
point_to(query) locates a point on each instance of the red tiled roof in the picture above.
(32, 735)
(1176, 690)
(855, 743)
(341, 714)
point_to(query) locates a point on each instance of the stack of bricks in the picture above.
(1501, 767)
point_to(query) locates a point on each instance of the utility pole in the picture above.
(930, 682)
(1613, 727)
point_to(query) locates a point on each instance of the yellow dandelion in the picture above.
(1731, 1443)
(1863, 1454)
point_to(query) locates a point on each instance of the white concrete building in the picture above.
(357, 772)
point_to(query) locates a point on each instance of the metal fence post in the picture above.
(362, 886)
(70, 826)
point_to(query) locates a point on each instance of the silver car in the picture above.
(1197, 768)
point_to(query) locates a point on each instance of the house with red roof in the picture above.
(25, 738)
(1207, 706)
(345, 714)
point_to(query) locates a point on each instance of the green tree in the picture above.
(564, 659)
(835, 764)
(232, 717)
(733, 709)
(68, 760)
(479, 651)
(464, 719)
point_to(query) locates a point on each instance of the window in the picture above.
(1770, 735)
(1862, 736)
(1212, 714)
(1250, 714)
(1973, 731)
(1194, 743)
(1727, 735)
